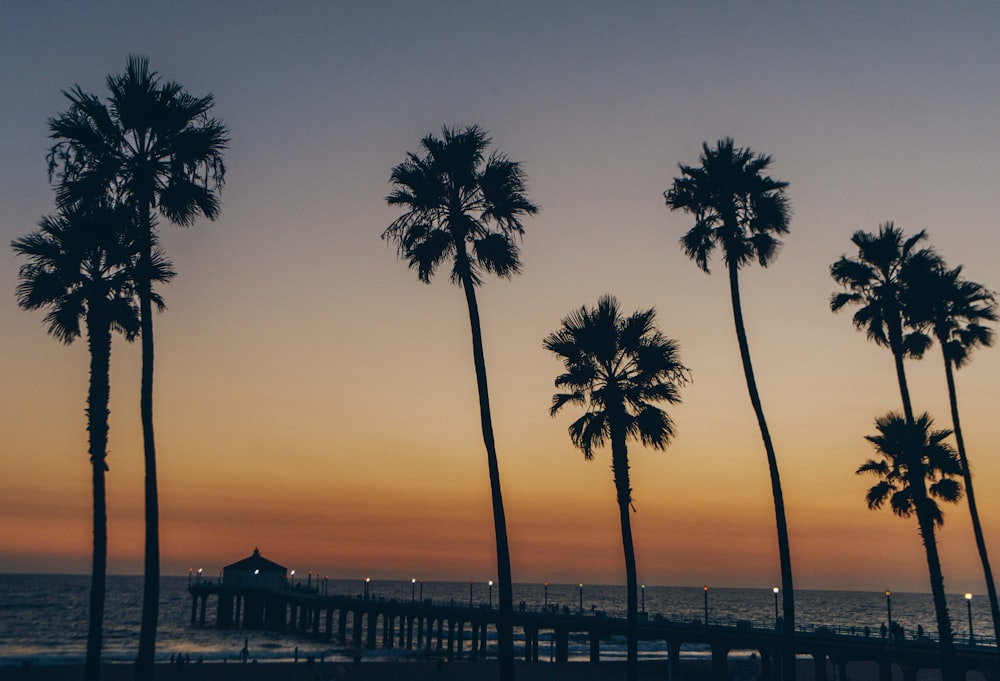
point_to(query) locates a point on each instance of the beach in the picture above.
(422, 670)
(371, 671)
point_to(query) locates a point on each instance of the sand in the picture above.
(367, 671)
(409, 671)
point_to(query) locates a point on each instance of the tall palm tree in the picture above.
(956, 311)
(917, 468)
(876, 282)
(79, 266)
(742, 211)
(618, 368)
(467, 208)
(157, 148)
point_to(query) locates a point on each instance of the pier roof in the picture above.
(256, 562)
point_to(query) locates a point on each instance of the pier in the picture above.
(460, 631)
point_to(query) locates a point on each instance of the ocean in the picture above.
(43, 618)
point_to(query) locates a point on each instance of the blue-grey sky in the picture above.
(314, 399)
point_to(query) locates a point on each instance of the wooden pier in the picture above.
(456, 631)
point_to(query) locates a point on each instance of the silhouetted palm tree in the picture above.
(617, 369)
(79, 266)
(464, 207)
(877, 283)
(740, 210)
(917, 468)
(956, 310)
(155, 147)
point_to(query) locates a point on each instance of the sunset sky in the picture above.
(317, 401)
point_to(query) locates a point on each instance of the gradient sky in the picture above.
(315, 400)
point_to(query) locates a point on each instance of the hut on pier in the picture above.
(254, 571)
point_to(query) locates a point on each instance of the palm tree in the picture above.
(956, 311)
(156, 148)
(617, 369)
(741, 210)
(917, 467)
(79, 267)
(877, 283)
(467, 208)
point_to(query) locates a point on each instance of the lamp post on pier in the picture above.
(704, 590)
(367, 582)
(421, 590)
(491, 594)
(581, 598)
(968, 603)
(470, 593)
(190, 573)
(642, 590)
(413, 589)
(775, 590)
(888, 609)
(199, 575)
(292, 578)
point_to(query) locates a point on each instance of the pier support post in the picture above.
(595, 647)
(720, 663)
(819, 666)
(562, 645)
(673, 662)
(357, 629)
(224, 615)
(372, 628)
(885, 669)
(342, 625)
(204, 606)
(329, 623)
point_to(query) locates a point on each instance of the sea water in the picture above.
(43, 618)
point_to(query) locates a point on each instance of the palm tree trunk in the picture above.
(505, 619)
(949, 670)
(151, 563)
(624, 493)
(784, 552)
(896, 344)
(99, 340)
(977, 526)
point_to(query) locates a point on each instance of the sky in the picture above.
(315, 400)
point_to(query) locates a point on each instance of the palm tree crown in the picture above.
(460, 205)
(735, 206)
(79, 259)
(877, 282)
(617, 369)
(917, 467)
(955, 309)
(152, 142)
